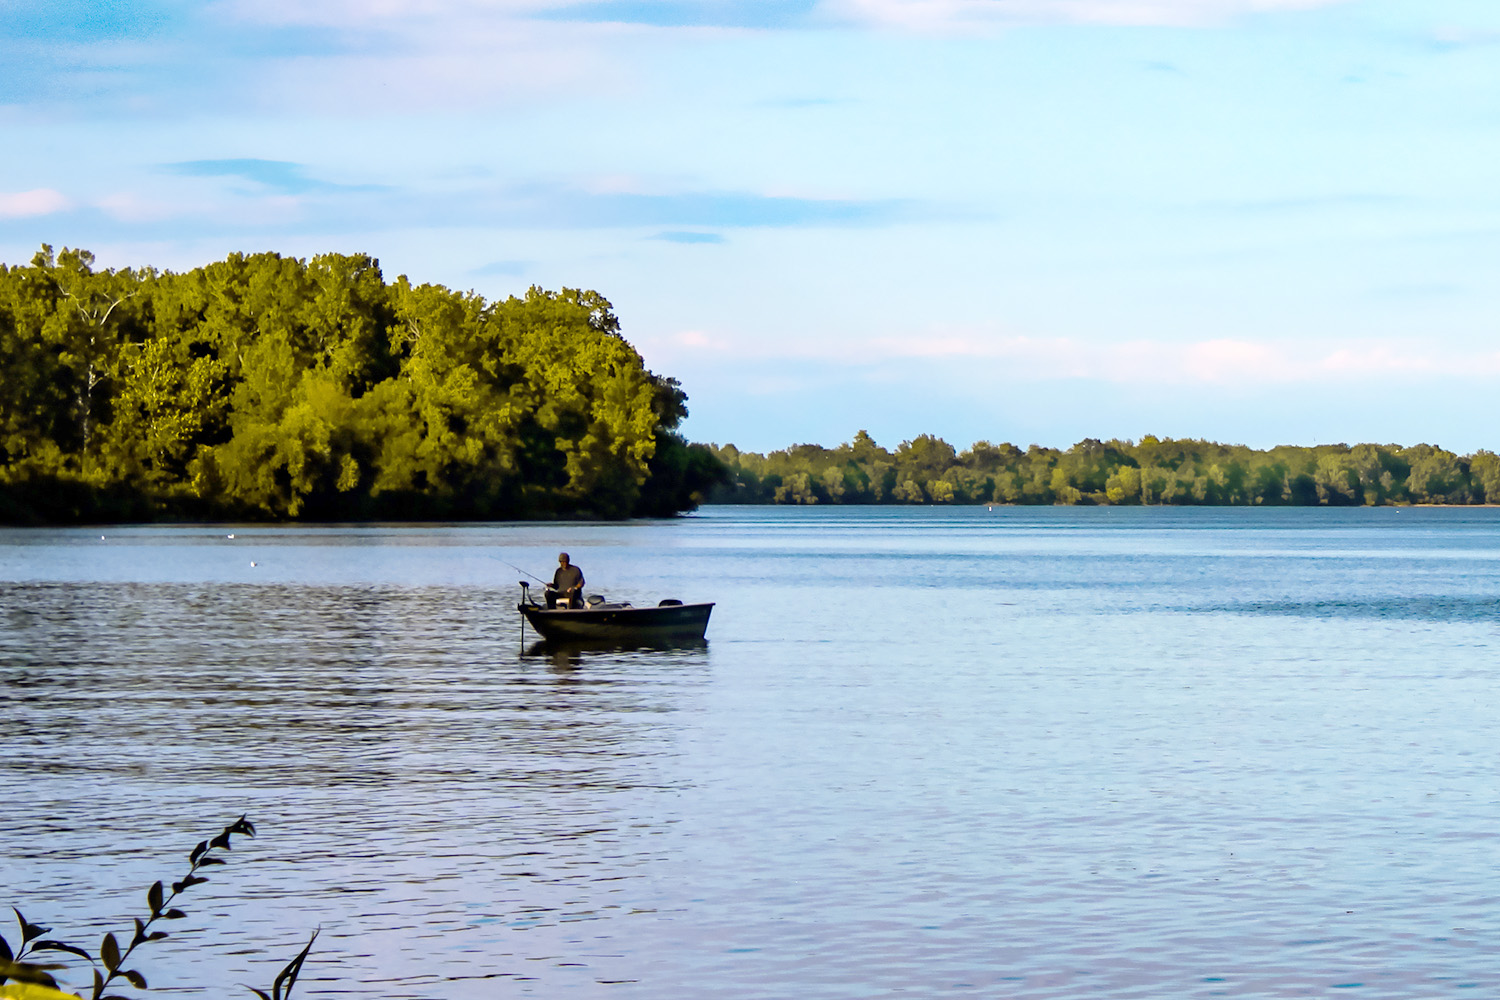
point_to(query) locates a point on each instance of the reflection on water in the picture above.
(573, 653)
(422, 785)
(940, 753)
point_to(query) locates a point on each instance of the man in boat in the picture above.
(567, 584)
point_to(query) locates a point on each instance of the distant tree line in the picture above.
(1151, 471)
(263, 386)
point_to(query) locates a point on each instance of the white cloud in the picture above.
(1224, 362)
(126, 206)
(367, 13)
(699, 340)
(962, 15)
(463, 61)
(26, 204)
(922, 15)
(402, 56)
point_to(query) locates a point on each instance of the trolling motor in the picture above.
(526, 601)
(526, 595)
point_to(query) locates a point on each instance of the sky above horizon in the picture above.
(1253, 221)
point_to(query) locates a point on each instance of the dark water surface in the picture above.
(926, 752)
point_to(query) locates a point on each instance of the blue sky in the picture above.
(1258, 221)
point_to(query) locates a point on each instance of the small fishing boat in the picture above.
(602, 621)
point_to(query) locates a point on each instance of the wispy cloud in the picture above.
(653, 13)
(945, 16)
(681, 236)
(27, 204)
(798, 103)
(275, 175)
(1225, 362)
(366, 13)
(697, 340)
(266, 194)
(1307, 203)
(504, 268)
(130, 207)
(1453, 37)
(920, 15)
(689, 13)
(686, 216)
(384, 56)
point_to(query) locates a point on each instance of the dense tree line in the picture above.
(1151, 471)
(271, 387)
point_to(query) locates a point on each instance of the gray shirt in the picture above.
(567, 578)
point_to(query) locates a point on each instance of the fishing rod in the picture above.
(525, 591)
(521, 571)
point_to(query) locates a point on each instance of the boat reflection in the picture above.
(573, 653)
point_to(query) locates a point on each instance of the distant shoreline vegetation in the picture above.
(264, 387)
(1152, 471)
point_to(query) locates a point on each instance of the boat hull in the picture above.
(672, 621)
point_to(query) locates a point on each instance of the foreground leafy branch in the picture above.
(23, 977)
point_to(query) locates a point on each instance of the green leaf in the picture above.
(211, 860)
(6, 955)
(35, 991)
(140, 933)
(154, 898)
(198, 851)
(260, 993)
(29, 930)
(136, 979)
(109, 952)
(59, 946)
(98, 985)
(27, 972)
(173, 914)
(293, 968)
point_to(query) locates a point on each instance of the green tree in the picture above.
(909, 492)
(1436, 476)
(263, 385)
(1124, 485)
(91, 318)
(1337, 479)
(1484, 471)
(165, 399)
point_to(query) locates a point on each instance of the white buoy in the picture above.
(252, 565)
(228, 536)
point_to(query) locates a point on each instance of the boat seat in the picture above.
(668, 602)
(595, 599)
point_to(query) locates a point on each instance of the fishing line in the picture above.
(520, 570)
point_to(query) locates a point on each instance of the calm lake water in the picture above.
(926, 752)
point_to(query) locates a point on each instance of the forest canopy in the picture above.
(269, 387)
(928, 469)
(264, 386)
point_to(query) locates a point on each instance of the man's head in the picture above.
(562, 559)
